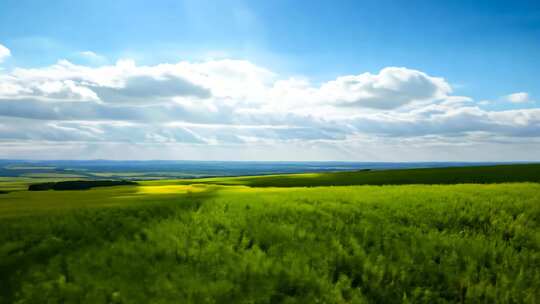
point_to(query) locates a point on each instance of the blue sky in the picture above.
(486, 51)
(486, 48)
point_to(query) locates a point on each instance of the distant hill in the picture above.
(450, 175)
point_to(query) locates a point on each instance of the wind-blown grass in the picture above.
(166, 243)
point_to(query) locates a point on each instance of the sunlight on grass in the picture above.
(249, 189)
(171, 189)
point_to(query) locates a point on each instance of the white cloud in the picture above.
(519, 97)
(235, 103)
(392, 88)
(146, 89)
(127, 82)
(90, 54)
(4, 53)
(91, 57)
(47, 89)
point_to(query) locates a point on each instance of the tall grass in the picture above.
(235, 244)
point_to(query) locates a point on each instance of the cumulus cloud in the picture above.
(519, 97)
(457, 122)
(146, 89)
(91, 57)
(391, 88)
(236, 103)
(50, 90)
(4, 53)
(89, 54)
(127, 82)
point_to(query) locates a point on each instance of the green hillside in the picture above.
(430, 176)
(184, 241)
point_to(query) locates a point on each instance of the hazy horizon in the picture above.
(261, 161)
(159, 169)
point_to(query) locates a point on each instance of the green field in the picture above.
(452, 175)
(307, 238)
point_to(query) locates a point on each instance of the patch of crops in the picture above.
(235, 244)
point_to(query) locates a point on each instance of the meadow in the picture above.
(354, 237)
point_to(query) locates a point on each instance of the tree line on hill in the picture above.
(78, 185)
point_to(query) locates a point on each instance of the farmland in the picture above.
(442, 235)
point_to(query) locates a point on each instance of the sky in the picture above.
(270, 80)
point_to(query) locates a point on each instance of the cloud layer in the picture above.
(234, 106)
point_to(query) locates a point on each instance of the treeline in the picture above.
(78, 185)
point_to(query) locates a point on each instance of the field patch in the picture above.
(51, 175)
(171, 189)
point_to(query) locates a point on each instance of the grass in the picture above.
(172, 189)
(22, 203)
(452, 175)
(206, 242)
